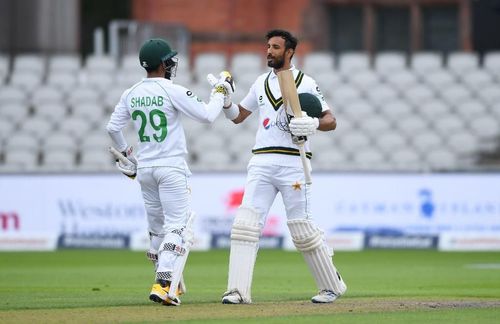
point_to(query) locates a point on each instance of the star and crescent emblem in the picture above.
(297, 185)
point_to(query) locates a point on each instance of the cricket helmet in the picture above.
(154, 52)
(310, 104)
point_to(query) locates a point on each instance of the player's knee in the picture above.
(305, 235)
(246, 225)
(172, 243)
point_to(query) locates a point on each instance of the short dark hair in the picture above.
(290, 40)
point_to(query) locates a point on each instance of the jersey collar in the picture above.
(156, 80)
(277, 102)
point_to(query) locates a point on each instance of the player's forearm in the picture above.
(242, 115)
(214, 107)
(327, 122)
(118, 139)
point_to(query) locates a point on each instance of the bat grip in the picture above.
(305, 164)
(118, 155)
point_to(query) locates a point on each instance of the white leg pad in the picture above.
(179, 264)
(154, 245)
(244, 246)
(309, 240)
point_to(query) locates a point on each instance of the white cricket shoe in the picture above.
(325, 297)
(233, 297)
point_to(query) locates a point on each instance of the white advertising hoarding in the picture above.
(409, 204)
(110, 205)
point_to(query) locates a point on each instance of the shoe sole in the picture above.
(323, 302)
(156, 299)
(227, 302)
(320, 302)
(171, 303)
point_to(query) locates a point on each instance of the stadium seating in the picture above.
(69, 63)
(316, 62)
(387, 63)
(100, 64)
(14, 112)
(402, 79)
(46, 95)
(492, 64)
(245, 62)
(440, 160)
(209, 62)
(51, 111)
(60, 141)
(424, 112)
(395, 110)
(460, 63)
(390, 140)
(424, 62)
(63, 80)
(37, 127)
(58, 160)
(351, 62)
(29, 63)
(363, 80)
(4, 68)
(405, 159)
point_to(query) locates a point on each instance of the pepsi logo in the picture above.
(266, 123)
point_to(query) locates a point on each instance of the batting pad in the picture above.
(179, 264)
(309, 240)
(244, 246)
(154, 245)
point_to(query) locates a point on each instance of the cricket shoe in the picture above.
(234, 297)
(325, 297)
(159, 295)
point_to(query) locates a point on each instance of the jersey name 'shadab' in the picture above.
(155, 105)
(146, 101)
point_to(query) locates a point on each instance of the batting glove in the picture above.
(304, 126)
(125, 161)
(225, 85)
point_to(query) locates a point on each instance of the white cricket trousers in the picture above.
(263, 184)
(166, 195)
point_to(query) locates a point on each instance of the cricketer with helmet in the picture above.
(275, 167)
(155, 105)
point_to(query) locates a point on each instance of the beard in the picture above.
(276, 63)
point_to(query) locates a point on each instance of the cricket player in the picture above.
(276, 167)
(155, 105)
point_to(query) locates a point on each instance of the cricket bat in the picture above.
(291, 102)
(119, 155)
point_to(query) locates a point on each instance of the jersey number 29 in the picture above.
(158, 122)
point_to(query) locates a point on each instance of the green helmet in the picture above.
(310, 104)
(154, 52)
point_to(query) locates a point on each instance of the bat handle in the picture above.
(305, 165)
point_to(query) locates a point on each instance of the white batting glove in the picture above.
(125, 161)
(225, 85)
(304, 126)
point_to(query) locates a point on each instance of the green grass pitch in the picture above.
(408, 286)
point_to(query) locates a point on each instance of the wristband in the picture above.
(231, 112)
